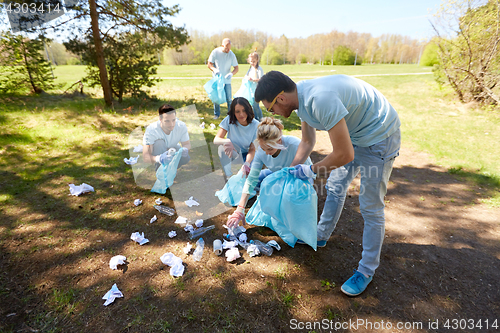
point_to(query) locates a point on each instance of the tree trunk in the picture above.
(28, 69)
(106, 88)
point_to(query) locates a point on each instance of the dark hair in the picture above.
(165, 108)
(248, 109)
(271, 84)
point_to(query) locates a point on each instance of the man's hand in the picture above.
(302, 171)
(228, 148)
(215, 71)
(235, 218)
(245, 169)
(185, 152)
(164, 158)
(229, 76)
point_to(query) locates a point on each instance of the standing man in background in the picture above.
(220, 62)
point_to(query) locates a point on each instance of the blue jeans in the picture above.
(257, 111)
(374, 164)
(227, 89)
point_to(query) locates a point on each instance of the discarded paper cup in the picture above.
(217, 247)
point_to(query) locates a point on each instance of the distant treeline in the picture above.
(335, 48)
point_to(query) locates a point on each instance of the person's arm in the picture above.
(342, 153)
(212, 67)
(251, 153)
(147, 157)
(220, 137)
(239, 214)
(306, 144)
(186, 144)
(235, 70)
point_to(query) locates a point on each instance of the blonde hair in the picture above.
(254, 55)
(270, 131)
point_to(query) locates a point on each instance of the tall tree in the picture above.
(24, 64)
(468, 38)
(114, 17)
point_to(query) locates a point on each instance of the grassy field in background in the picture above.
(458, 137)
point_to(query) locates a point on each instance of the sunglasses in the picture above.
(269, 109)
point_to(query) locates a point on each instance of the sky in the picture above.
(304, 18)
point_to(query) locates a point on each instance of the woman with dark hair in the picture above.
(241, 129)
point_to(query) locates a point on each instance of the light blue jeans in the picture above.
(227, 89)
(257, 111)
(374, 164)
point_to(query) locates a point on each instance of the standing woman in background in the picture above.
(255, 72)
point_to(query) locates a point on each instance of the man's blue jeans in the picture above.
(374, 164)
(227, 89)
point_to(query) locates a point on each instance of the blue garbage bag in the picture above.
(288, 206)
(165, 174)
(231, 192)
(247, 90)
(215, 89)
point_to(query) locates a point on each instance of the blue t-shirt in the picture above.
(223, 61)
(324, 101)
(284, 159)
(241, 136)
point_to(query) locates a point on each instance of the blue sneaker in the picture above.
(321, 243)
(356, 284)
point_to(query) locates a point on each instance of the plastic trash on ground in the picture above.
(131, 161)
(191, 202)
(198, 223)
(80, 189)
(198, 251)
(232, 254)
(165, 210)
(202, 125)
(229, 244)
(139, 238)
(153, 219)
(189, 228)
(175, 263)
(181, 220)
(217, 247)
(263, 247)
(137, 202)
(111, 295)
(187, 248)
(212, 126)
(274, 244)
(172, 234)
(158, 201)
(117, 260)
(200, 231)
(253, 250)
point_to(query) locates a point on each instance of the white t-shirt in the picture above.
(223, 61)
(240, 136)
(154, 132)
(254, 73)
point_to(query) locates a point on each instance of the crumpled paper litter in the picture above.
(117, 260)
(191, 202)
(158, 201)
(111, 295)
(175, 263)
(77, 190)
(137, 237)
(232, 254)
(154, 218)
(199, 223)
(228, 245)
(137, 202)
(172, 234)
(187, 248)
(131, 161)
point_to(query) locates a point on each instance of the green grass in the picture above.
(45, 133)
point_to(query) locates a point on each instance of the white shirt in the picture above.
(223, 61)
(154, 132)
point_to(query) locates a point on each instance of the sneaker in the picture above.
(216, 117)
(321, 243)
(356, 284)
